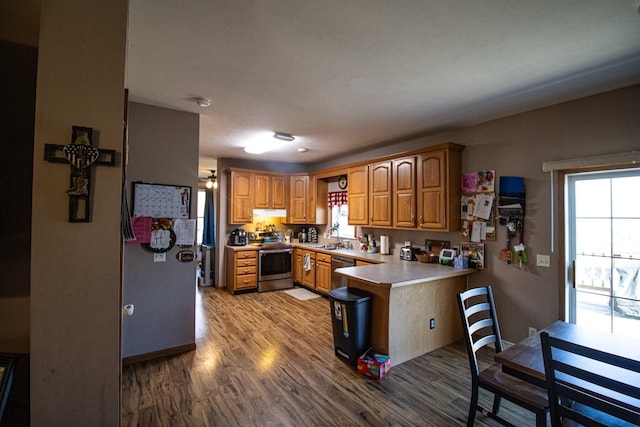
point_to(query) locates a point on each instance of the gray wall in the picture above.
(163, 148)
(518, 145)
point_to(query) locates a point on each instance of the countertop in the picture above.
(390, 270)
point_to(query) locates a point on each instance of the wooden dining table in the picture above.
(524, 359)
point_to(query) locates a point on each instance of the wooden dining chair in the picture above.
(480, 324)
(578, 380)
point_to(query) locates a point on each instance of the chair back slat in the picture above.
(480, 324)
(476, 308)
(596, 382)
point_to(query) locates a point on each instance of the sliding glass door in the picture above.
(603, 239)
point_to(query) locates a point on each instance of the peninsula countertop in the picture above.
(385, 270)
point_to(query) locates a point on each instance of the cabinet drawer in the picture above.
(320, 257)
(246, 254)
(246, 281)
(250, 269)
(240, 263)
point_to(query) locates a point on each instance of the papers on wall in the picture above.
(185, 230)
(477, 205)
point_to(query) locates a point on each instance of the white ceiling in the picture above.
(344, 74)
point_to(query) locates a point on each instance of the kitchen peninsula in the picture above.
(414, 309)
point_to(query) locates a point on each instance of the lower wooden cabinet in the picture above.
(298, 265)
(309, 276)
(242, 269)
(323, 272)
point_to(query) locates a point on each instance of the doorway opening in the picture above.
(602, 233)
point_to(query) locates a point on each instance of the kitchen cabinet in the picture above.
(380, 177)
(323, 272)
(297, 213)
(309, 276)
(438, 189)
(241, 189)
(307, 200)
(270, 191)
(358, 195)
(298, 261)
(242, 270)
(404, 192)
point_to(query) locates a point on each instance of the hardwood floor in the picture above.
(266, 359)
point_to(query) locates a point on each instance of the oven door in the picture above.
(274, 264)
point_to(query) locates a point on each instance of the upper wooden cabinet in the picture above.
(438, 190)
(241, 189)
(297, 213)
(380, 194)
(404, 192)
(420, 190)
(307, 200)
(358, 195)
(270, 191)
(318, 206)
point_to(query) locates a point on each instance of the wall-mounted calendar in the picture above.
(161, 200)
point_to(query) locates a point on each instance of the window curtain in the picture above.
(208, 232)
(337, 198)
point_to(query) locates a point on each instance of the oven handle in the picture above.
(274, 251)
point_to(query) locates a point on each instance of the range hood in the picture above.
(270, 213)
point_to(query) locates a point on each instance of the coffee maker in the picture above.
(238, 237)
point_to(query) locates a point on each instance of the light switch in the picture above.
(543, 261)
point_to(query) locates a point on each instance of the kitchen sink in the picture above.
(328, 248)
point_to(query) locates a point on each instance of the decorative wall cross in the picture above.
(81, 155)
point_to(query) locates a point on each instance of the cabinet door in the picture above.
(298, 199)
(404, 191)
(312, 199)
(279, 191)
(431, 191)
(241, 192)
(262, 199)
(309, 276)
(323, 276)
(358, 196)
(380, 175)
(298, 259)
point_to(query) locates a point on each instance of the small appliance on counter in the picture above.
(238, 237)
(408, 253)
(302, 237)
(446, 256)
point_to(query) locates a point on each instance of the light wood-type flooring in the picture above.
(267, 359)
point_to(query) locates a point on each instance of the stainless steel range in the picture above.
(275, 261)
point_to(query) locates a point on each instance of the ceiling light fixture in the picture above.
(212, 181)
(283, 136)
(203, 102)
(302, 150)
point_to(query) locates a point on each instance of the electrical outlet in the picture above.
(160, 257)
(543, 260)
(432, 323)
(532, 330)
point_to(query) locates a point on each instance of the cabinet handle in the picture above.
(413, 220)
(421, 220)
(245, 281)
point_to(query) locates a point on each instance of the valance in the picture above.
(337, 198)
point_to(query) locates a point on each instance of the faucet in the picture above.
(336, 228)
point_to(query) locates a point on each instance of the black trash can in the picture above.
(351, 314)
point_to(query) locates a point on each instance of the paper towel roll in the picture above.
(384, 245)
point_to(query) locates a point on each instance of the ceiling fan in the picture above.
(211, 181)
